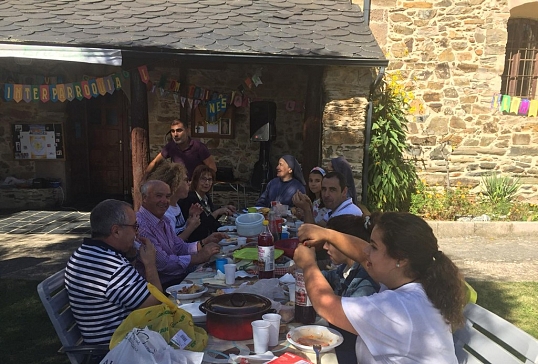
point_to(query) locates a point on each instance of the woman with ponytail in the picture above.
(420, 301)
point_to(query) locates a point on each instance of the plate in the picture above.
(194, 309)
(185, 296)
(252, 253)
(226, 229)
(229, 241)
(315, 333)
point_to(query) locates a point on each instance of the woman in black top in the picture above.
(202, 181)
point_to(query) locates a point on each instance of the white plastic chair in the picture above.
(53, 295)
(488, 338)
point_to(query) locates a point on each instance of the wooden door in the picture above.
(109, 152)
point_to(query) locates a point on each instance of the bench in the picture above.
(53, 295)
(488, 338)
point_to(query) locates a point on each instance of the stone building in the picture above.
(455, 56)
(315, 60)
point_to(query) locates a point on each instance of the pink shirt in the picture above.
(173, 254)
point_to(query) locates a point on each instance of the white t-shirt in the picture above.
(345, 208)
(399, 326)
(176, 218)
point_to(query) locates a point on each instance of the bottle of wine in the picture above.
(266, 253)
(304, 311)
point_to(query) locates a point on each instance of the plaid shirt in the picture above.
(173, 254)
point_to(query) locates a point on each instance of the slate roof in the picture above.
(298, 29)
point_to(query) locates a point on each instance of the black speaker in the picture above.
(262, 121)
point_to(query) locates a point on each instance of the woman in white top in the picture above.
(314, 193)
(421, 295)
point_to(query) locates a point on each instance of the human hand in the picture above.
(232, 208)
(193, 221)
(195, 209)
(301, 200)
(207, 251)
(215, 238)
(312, 235)
(304, 256)
(225, 210)
(146, 252)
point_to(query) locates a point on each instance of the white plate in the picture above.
(194, 309)
(227, 229)
(185, 296)
(324, 334)
(229, 241)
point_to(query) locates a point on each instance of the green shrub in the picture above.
(500, 188)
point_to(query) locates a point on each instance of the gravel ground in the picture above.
(507, 258)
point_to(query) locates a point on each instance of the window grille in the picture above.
(521, 63)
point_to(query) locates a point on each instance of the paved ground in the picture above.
(35, 244)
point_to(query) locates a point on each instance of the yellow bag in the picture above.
(167, 319)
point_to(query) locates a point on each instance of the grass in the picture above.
(27, 336)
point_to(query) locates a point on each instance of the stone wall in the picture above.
(450, 54)
(30, 198)
(346, 100)
(280, 84)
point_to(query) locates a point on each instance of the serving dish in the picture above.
(314, 334)
(194, 309)
(174, 291)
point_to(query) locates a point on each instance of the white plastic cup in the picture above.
(274, 330)
(260, 335)
(291, 288)
(229, 272)
(241, 240)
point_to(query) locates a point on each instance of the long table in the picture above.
(218, 350)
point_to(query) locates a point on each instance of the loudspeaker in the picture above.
(262, 121)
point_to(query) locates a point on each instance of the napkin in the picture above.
(257, 358)
(287, 279)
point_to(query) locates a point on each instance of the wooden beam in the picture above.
(312, 120)
(139, 133)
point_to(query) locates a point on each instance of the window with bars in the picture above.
(521, 63)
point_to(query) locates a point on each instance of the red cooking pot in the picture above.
(229, 316)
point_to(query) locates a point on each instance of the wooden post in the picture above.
(312, 121)
(139, 133)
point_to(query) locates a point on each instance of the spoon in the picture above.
(317, 350)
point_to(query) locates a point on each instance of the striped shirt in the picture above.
(103, 289)
(173, 254)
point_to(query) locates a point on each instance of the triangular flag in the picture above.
(182, 100)
(505, 103)
(514, 105)
(533, 108)
(143, 70)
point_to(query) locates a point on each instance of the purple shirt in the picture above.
(173, 254)
(195, 154)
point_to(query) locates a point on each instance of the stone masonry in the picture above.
(450, 54)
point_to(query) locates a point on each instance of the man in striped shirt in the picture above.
(102, 284)
(175, 258)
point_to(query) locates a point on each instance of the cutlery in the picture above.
(317, 350)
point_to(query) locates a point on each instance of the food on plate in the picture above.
(310, 340)
(189, 289)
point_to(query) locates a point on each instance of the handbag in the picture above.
(174, 324)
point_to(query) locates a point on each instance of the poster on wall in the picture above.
(38, 141)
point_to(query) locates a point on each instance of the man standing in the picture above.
(183, 149)
(174, 257)
(333, 195)
(102, 284)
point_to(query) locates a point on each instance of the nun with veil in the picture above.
(289, 179)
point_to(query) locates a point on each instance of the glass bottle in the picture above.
(304, 311)
(266, 253)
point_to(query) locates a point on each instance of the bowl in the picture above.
(303, 337)
(194, 309)
(185, 296)
(249, 224)
(288, 245)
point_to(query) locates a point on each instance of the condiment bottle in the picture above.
(285, 234)
(266, 253)
(278, 218)
(304, 311)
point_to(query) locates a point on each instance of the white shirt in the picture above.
(399, 326)
(345, 208)
(174, 214)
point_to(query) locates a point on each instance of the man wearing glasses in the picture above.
(102, 284)
(183, 149)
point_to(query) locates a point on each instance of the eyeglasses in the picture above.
(176, 130)
(134, 226)
(206, 179)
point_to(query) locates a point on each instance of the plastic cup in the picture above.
(260, 335)
(291, 288)
(229, 271)
(274, 329)
(220, 262)
(241, 240)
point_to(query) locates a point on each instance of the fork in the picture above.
(317, 350)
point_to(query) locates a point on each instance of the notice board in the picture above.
(38, 141)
